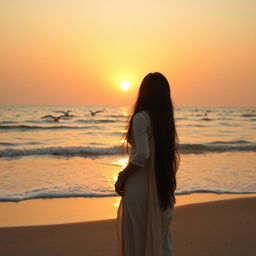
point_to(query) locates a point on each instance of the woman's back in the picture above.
(144, 224)
(148, 182)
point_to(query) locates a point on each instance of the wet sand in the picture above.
(220, 227)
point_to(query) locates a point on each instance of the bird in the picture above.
(93, 113)
(66, 113)
(55, 118)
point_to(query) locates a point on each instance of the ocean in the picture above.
(81, 155)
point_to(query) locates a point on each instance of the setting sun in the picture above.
(125, 86)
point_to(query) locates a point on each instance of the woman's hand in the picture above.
(123, 176)
(119, 185)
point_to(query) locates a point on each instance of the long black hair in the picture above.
(154, 98)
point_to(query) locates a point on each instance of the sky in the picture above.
(78, 52)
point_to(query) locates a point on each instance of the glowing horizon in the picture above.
(79, 52)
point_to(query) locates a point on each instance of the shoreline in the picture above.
(38, 212)
(220, 227)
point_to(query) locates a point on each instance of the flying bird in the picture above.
(66, 113)
(93, 113)
(55, 118)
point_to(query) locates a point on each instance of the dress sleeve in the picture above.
(140, 131)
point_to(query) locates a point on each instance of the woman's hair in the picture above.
(154, 97)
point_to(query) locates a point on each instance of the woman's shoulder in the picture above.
(142, 116)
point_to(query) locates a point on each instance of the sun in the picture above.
(125, 86)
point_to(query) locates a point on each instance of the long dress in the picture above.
(143, 227)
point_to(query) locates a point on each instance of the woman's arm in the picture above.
(122, 177)
(140, 131)
(140, 128)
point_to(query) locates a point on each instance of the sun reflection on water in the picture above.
(120, 164)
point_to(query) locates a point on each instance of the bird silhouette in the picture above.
(55, 118)
(66, 113)
(93, 113)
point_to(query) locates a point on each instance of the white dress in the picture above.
(143, 227)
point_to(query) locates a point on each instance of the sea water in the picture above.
(81, 155)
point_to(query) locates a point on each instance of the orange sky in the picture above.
(78, 52)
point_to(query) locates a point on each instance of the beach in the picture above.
(76, 77)
(57, 195)
(225, 225)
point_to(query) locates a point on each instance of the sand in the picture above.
(71, 210)
(223, 228)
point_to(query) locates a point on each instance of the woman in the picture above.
(148, 182)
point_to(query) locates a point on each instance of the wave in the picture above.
(218, 147)
(97, 121)
(248, 115)
(116, 133)
(199, 191)
(212, 147)
(231, 142)
(181, 118)
(190, 125)
(30, 127)
(229, 124)
(8, 122)
(53, 195)
(28, 195)
(122, 116)
(8, 144)
(19, 144)
(206, 119)
(63, 151)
